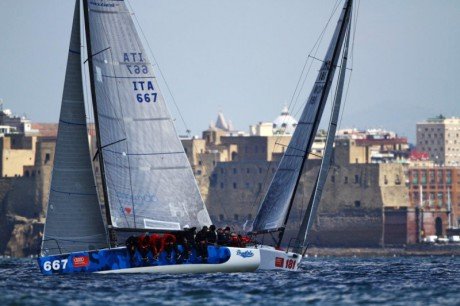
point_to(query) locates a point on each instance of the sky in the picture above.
(244, 58)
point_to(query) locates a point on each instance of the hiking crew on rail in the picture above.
(189, 239)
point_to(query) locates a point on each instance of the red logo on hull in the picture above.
(279, 262)
(80, 261)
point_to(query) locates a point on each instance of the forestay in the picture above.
(149, 181)
(275, 206)
(73, 220)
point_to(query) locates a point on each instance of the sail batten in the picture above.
(275, 207)
(73, 213)
(149, 181)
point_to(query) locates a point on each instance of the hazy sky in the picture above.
(244, 57)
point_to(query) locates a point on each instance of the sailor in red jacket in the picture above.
(156, 245)
(143, 243)
(169, 244)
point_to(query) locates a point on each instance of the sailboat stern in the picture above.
(273, 259)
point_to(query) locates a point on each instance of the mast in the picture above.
(112, 236)
(449, 209)
(322, 101)
(315, 198)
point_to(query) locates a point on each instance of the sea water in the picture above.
(321, 281)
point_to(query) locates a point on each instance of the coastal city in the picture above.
(157, 152)
(381, 190)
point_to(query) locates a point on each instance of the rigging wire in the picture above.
(292, 104)
(159, 69)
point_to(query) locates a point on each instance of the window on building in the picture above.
(222, 171)
(423, 177)
(397, 180)
(235, 171)
(448, 177)
(234, 186)
(236, 217)
(356, 178)
(345, 180)
(247, 185)
(200, 162)
(385, 180)
(47, 158)
(248, 170)
(440, 199)
(221, 217)
(431, 176)
(260, 186)
(260, 170)
(357, 204)
(198, 172)
(333, 178)
(221, 185)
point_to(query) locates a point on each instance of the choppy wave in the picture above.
(392, 281)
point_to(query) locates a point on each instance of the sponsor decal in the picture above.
(279, 262)
(245, 254)
(80, 261)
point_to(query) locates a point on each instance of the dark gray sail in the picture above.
(275, 207)
(73, 220)
(310, 213)
(148, 178)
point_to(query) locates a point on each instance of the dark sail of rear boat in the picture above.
(274, 210)
(315, 197)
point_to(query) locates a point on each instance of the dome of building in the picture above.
(284, 123)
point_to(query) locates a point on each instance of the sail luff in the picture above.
(315, 197)
(73, 220)
(274, 210)
(96, 120)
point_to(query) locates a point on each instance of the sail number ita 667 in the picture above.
(55, 265)
(144, 91)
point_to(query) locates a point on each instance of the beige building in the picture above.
(440, 138)
(17, 151)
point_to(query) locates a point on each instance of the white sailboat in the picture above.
(148, 184)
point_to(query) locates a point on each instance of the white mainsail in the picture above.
(73, 220)
(149, 183)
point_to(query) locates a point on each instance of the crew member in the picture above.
(211, 236)
(201, 244)
(220, 236)
(131, 244)
(143, 245)
(156, 245)
(169, 244)
(227, 236)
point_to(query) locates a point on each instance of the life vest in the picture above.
(169, 239)
(156, 243)
(143, 243)
(234, 241)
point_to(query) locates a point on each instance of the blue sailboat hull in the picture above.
(119, 259)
